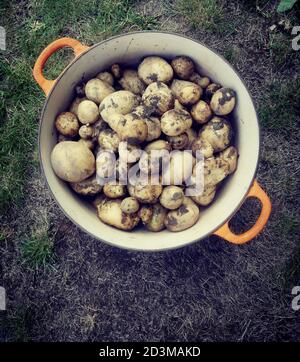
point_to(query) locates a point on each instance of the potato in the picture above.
(159, 97)
(120, 102)
(201, 112)
(130, 81)
(143, 111)
(91, 131)
(106, 77)
(146, 192)
(88, 112)
(121, 168)
(67, 124)
(109, 140)
(214, 170)
(203, 146)
(156, 222)
(175, 122)
(218, 173)
(171, 197)
(217, 132)
(153, 69)
(184, 217)
(129, 153)
(105, 164)
(230, 155)
(74, 105)
(72, 161)
(153, 162)
(206, 197)
(179, 169)
(87, 187)
(158, 145)
(145, 213)
(87, 143)
(114, 190)
(153, 128)
(135, 129)
(183, 66)
(150, 163)
(153, 123)
(110, 212)
(186, 92)
(116, 71)
(130, 128)
(223, 101)
(130, 205)
(211, 89)
(203, 82)
(86, 131)
(96, 90)
(179, 142)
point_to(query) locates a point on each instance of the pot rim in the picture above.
(83, 54)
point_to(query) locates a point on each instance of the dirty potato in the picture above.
(171, 197)
(114, 190)
(175, 122)
(184, 217)
(106, 77)
(110, 212)
(67, 124)
(109, 140)
(218, 133)
(183, 66)
(153, 69)
(223, 101)
(120, 102)
(96, 90)
(201, 112)
(87, 187)
(159, 97)
(186, 92)
(157, 219)
(130, 81)
(130, 205)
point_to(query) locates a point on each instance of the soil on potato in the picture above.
(208, 291)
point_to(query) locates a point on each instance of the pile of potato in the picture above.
(159, 106)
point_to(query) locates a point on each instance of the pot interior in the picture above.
(130, 49)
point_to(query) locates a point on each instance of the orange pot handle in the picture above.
(47, 84)
(225, 232)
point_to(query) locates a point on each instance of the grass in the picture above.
(204, 14)
(280, 49)
(289, 225)
(232, 54)
(16, 325)
(280, 106)
(28, 32)
(37, 250)
(91, 20)
(19, 108)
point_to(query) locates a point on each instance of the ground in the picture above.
(61, 284)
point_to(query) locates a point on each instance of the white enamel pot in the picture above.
(129, 49)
